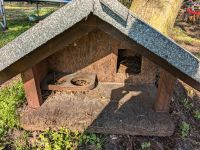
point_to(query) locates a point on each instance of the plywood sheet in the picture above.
(109, 108)
(97, 53)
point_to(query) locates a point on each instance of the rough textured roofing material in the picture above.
(112, 12)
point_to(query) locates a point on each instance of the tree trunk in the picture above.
(161, 14)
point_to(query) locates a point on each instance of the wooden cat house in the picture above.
(93, 65)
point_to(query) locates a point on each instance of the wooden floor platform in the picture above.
(109, 108)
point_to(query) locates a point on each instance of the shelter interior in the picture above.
(102, 55)
(97, 82)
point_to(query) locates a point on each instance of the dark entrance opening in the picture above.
(129, 62)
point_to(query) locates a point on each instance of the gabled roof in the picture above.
(116, 15)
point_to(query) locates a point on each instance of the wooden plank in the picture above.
(32, 88)
(31, 79)
(165, 92)
(128, 113)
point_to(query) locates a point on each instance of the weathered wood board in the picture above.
(31, 79)
(165, 92)
(109, 108)
(97, 53)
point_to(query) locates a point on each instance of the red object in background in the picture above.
(190, 11)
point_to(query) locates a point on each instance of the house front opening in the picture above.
(129, 62)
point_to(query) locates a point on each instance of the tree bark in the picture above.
(161, 14)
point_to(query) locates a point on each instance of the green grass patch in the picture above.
(16, 28)
(145, 145)
(185, 129)
(197, 114)
(67, 139)
(20, 23)
(181, 36)
(62, 139)
(197, 55)
(11, 98)
(187, 104)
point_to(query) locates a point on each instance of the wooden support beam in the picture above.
(32, 79)
(165, 92)
(32, 87)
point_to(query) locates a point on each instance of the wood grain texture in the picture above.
(109, 109)
(97, 53)
(31, 79)
(32, 88)
(165, 91)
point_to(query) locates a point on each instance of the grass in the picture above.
(20, 24)
(197, 114)
(187, 104)
(197, 55)
(11, 98)
(185, 129)
(16, 27)
(145, 145)
(59, 140)
(181, 36)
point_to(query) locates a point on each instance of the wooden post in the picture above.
(31, 79)
(165, 91)
(32, 88)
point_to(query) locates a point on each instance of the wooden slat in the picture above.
(32, 79)
(32, 87)
(165, 92)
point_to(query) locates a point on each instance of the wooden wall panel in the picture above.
(97, 53)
